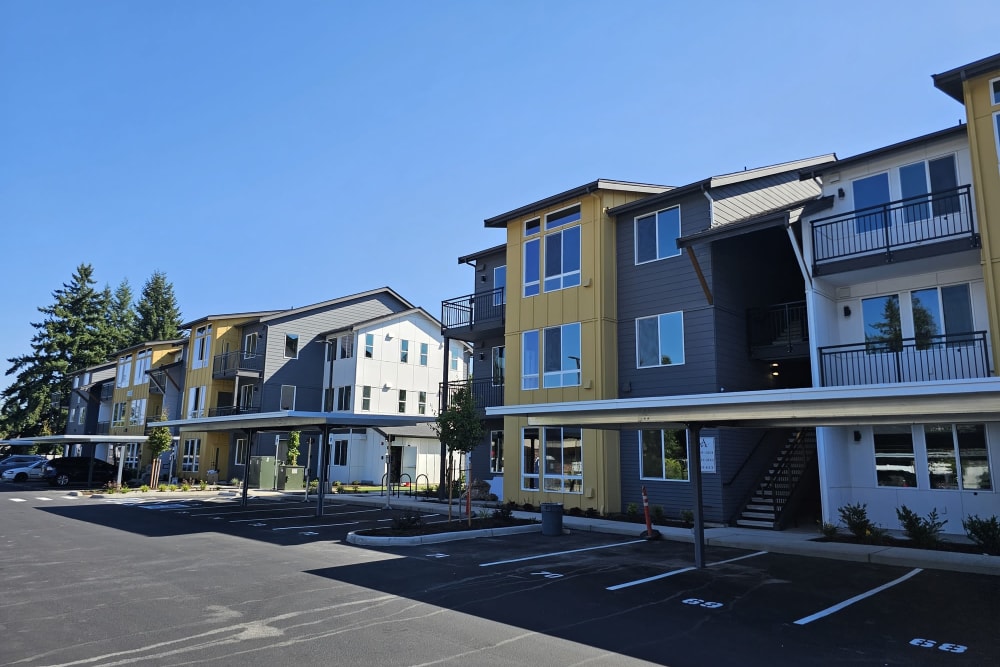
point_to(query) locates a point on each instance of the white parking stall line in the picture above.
(279, 518)
(857, 598)
(560, 553)
(319, 525)
(42, 498)
(285, 508)
(17, 500)
(657, 577)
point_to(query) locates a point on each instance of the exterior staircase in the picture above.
(777, 487)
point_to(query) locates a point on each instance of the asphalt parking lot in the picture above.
(624, 597)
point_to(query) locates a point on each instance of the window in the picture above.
(894, 461)
(870, 192)
(995, 92)
(291, 346)
(532, 227)
(454, 361)
(137, 413)
(72, 415)
(329, 393)
(945, 310)
(957, 456)
(554, 461)
(76, 382)
(562, 259)
(345, 349)
(142, 362)
(82, 415)
(532, 266)
(663, 455)
(247, 392)
(496, 452)
(422, 403)
(124, 371)
(561, 356)
(132, 455)
(344, 398)
(529, 360)
(196, 402)
(340, 452)
(659, 340)
(240, 452)
(656, 235)
(883, 330)
(118, 414)
(996, 131)
(564, 217)
(192, 453)
(287, 397)
(498, 366)
(402, 400)
(404, 351)
(423, 354)
(366, 398)
(500, 285)
(250, 345)
(86, 379)
(369, 346)
(202, 346)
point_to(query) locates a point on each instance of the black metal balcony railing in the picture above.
(483, 309)
(485, 392)
(157, 380)
(103, 428)
(886, 361)
(107, 391)
(778, 330)
(232, 364)
(907, 222)
(231, 410)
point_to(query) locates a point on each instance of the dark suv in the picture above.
(77, 469)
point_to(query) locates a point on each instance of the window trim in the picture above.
(366, 398)
(281, 396)
(562, 372)
(401, 401)
(564, 277)
(369, 346)
(536, 284)
(663, 458)
(496, 453)
(404, 351)
(564, 210)
(659, 355)
(424, 352)
(656, 227)
(238, 448)
(994, 91)
(191, 444)
(538, 228)
(421, 402)
(291, 337)
(537, 375)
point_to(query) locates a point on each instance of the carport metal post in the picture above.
(120, 450)
(246, 466)
(321, 470)
(694, 470)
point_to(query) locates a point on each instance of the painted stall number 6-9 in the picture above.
(702, 603)
(948, 647)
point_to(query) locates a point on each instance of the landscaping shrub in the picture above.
(528, 507)
(687, 516)
(658, 514)
(407, 519)
(924, 531)
(984, 532)
(855, 518)
(504, 512)
(828, 529)
(632, 510)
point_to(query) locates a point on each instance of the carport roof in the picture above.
(291, 419)
(74, 440)
(904, 403)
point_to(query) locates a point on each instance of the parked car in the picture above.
(26, 472)
(74, 470)
(19, 461)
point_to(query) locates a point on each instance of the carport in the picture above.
(115, 440)
(905, 403)
(253, 424)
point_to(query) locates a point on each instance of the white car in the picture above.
(23, 474)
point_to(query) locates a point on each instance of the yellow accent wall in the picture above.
(160, 354)
(986, 182)
(224, 332)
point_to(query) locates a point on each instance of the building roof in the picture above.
(468, 259)
(775, 217)
(723, 180)
(139, 346)
(416, 310)
(950, 82)
(424, 430)
(600, 184)
(805, 174)
(333, 302)
(252, 315)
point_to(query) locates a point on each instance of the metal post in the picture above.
(443, 401)
(121, 464)
(309, 452)
(246, 466)
(321, 469)
(694, 471)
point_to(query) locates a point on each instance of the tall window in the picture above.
(344, 398)
(498, 366)
(250, 345)
(938, 176)
(532, 258)
(366, 398)
(329, 398)
(291, 346)
(529, 360)
(656, 235)
(500, 285)
(423, 354)
(957, 456)
(196, 402)
(118, 414)
(995, 92)
(883, 330)
(132, 455)
(942, 310)
(561, 356)
(124, 371)
(137, 413)
(202, 346)
(339, 452)
(240, 452)
(402, 400)
(82, 416)
(496, 452)
(659, 340)
(552, 459)
(192, 454)
(287, 397)
(142, 362)
(663, 455)
(869, 193)
(369, 346)
(562, 259)
(404, 351)
(894, 461)
(422, 403)
(247, 392)
(345, 347)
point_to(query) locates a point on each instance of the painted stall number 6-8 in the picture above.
(702, 603)
(930, 643)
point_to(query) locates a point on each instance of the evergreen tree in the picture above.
(159, 317)
(122, 319)
(70, 338)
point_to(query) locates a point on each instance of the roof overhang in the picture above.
(950, 82)
(909, 403)
(291, 419)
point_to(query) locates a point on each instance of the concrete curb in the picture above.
(417, 540)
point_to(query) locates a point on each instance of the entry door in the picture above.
(339, 471)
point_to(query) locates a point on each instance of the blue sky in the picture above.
(275, 154)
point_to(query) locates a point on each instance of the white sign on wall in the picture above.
(708, 454)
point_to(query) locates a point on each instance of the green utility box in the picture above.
(291, 478)
(261, 472)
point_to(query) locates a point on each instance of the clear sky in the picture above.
(276, 154)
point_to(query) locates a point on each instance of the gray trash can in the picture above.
(552, 515)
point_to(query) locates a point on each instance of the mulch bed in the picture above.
(457, 525)
(889, 541)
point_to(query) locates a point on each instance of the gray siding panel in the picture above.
(743, 200)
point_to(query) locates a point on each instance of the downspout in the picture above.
(711, 206)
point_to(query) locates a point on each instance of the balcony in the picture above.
(103, 428)
(157, 381)
(474, 315)
(778, 332)
(232, 410)
(107, 391)
(237, 364)
(912, 228)
(485, 393)
(926, 359)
